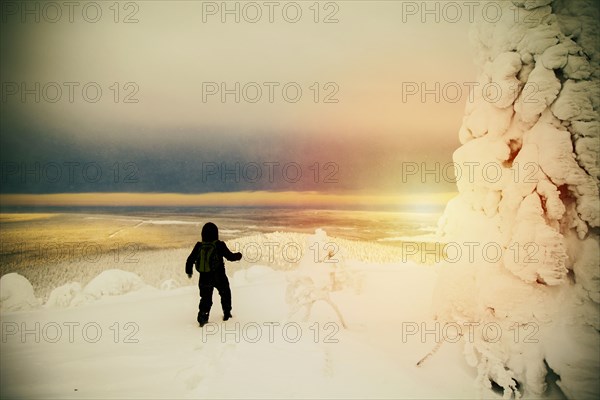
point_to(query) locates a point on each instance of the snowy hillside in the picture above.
(118, 337)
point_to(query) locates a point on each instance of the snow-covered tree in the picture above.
(318, 274)
(528, 178)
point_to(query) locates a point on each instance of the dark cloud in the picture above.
(35, 161)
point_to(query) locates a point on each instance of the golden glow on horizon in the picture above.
(232, 199)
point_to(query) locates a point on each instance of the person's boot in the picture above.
(226, 315)
(202, 318)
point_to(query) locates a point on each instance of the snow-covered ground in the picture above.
(119, 338)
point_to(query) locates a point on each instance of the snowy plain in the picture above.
(118, 337)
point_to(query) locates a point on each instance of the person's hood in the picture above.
(210, 232)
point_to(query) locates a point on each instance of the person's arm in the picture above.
(229, 256)
(189, 264)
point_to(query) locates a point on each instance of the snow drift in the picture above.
(136, 343)
(532, 200)
(16, 293)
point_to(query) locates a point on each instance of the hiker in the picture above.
(208, 257)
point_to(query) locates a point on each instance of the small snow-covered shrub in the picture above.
(314, 280)
(169, 284)
(16, 293)
(63, 295)
(113, 282)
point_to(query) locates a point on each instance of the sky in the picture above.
(177, 97)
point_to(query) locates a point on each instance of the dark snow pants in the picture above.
(208, 281)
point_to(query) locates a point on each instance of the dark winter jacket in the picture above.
(210, 233)
(221, 249)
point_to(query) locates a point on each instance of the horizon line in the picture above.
(225, 199)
